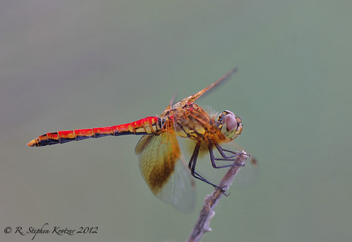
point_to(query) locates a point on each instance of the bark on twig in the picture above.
(211, 200)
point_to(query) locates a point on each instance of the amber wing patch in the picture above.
(166, 176)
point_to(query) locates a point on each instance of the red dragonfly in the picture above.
(160, 157)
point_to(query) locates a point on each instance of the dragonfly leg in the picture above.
(192, 167)
(224, 156)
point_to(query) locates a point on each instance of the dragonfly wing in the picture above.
(194, 97)
(164, 172)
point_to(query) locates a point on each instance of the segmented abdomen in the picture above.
(148, 125)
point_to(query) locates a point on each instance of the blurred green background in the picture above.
(82, 64)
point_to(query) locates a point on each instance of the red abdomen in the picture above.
(148, 125)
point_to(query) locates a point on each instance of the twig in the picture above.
(211, 200)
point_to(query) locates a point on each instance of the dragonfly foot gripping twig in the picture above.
(211, 200)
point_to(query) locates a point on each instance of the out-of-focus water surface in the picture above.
(81, 64)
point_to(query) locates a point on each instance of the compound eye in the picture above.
(230, 121)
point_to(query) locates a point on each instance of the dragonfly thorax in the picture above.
(229, 124)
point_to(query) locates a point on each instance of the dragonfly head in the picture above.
(229, 124)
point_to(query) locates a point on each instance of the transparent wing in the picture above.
(164, 172)
(195, 96)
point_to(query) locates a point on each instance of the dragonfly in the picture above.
(161, 162)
